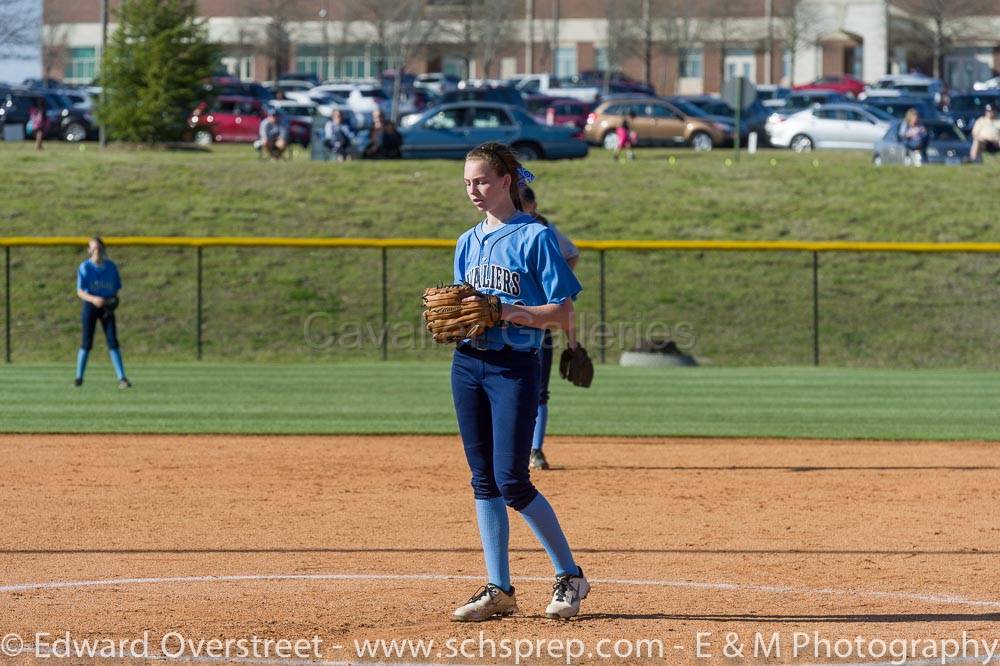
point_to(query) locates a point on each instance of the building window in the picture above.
(858, 62)
(740, 62)
(690, 63)
(786, 64)
(81, 67)
(239, 66)
(566, 61)
(453, 66)
(309, 59)
(601, 59)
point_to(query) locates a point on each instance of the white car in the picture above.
(436, 82)
(830, 126)
(908, 85)
(988, 84)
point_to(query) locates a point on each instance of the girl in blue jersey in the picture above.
(495, 377)
(97, 285)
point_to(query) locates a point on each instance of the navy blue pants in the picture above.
(496, 401)
(89, 316)
(545, 359)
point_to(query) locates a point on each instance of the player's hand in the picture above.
(98, 302)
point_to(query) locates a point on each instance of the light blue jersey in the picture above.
(521, 263)
(97, 280)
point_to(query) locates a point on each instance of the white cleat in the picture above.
(489, 601)
(567, 593)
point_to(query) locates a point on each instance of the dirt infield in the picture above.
(355, 538)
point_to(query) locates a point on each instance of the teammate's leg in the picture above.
(88, 321)
(475, 424)
(111, 335)
(538, 460)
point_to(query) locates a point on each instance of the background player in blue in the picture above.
(97, 285)
(571, 254)
(494, 378)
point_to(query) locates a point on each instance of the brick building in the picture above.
(685, 46)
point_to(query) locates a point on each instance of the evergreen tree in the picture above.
(154, 70)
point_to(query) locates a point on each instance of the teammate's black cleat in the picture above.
(124, 383)
(538, 460)
(78, 381)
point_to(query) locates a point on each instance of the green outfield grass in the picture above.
(402, 397)
(740, 309)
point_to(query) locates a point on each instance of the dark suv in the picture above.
(499, 94)
(65, 122)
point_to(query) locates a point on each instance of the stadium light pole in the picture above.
(325, 69)
(102, 128)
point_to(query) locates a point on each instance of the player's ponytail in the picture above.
(504, 162)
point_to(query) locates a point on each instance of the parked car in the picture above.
(947, 145)
(772, 96)
(549, 84)
(618, 82)
(498, 94)
(802, 100)
(230, 85)
(452, 130)
(848, 86)
(236, 119)
(561, 110)
(988, 84)
(830, 126)
(656, 122)
(437, 82)
(909, 85)
(752, 119)
(965, 108)
(898, 106)
(65, 122)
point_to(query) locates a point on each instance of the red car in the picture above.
(233, 118)
(558, 110)
(845, 85)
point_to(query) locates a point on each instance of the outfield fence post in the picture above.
(815, 272)
(385, 304)
(199, 303)
(603, 309)
(6, 307)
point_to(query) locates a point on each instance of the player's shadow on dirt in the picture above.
(783, 468)
(880, 618)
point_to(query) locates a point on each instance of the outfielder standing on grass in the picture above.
(571, 254)
(97, 285)
(515, 285)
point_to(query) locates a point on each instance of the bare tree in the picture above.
(403, 29)
(483, 29)
(798, 24)
(947, 23)
(675, 26)
(20, 29)
(623, 33)
(723, 24)
(274, 38)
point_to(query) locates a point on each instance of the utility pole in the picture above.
(529, 45)
(324, 15)
(647, 29)
(102, 129)
(555, 36)
(769, 60)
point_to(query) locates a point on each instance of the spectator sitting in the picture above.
(914, 136)
(273, 136)
(338, 136)
(392, 141)
(985, 133)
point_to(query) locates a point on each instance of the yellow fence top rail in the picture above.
(263, 241)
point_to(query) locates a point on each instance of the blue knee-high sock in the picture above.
(494, 530)
(116, 360)
(543, 522)
(81, 362)
(540, 422)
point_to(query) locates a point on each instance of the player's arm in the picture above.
(552, 315)
(97, 301)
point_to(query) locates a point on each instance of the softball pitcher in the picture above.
(516, 284)
(97, 285)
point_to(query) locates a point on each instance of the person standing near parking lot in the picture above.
(914, 135)
(39, 121)
(985, 133)
(273, 135)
